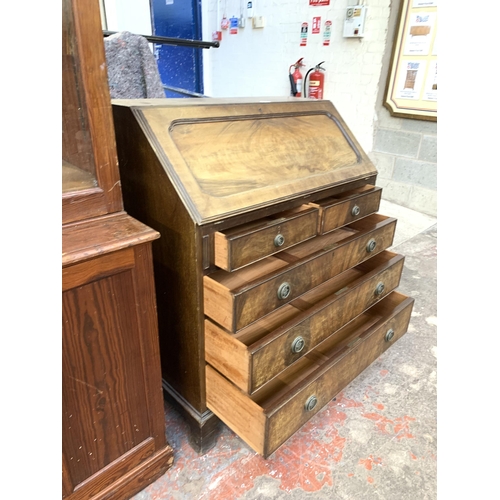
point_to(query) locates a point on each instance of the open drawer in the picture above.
(345, 208)
(268, 418)
(235, 300)
(261, 351)
(242, 245)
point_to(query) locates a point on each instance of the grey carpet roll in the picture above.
(132, 68)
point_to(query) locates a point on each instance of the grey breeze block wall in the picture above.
(405, 155)
(404, 150)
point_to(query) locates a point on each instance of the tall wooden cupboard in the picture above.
(113, 426)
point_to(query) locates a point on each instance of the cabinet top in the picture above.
(229, 156)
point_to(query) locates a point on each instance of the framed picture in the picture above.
(411, 90)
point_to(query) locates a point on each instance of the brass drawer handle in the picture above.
(311, 403)
(284, 291)
(279, 240)
(379, 289)
(355, 210)
(298, 344)
(389, 335)
(371, 246)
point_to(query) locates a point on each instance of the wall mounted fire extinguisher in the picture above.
(296, 78)
(316, 82)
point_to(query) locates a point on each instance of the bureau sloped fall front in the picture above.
(275, 286)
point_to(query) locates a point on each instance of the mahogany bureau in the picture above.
(275, 288)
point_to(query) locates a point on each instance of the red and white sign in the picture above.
(316, 27)
(315, 3)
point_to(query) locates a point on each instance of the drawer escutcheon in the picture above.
(311, 403)
(389, 335)
(298, 344)
(279, 240)
(355, 211)
(284, 290)
(379, 288)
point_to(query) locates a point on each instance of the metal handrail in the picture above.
(173, 41)
(184, 91)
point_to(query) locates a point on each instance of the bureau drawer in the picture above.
(269, 417)
(248, 243)
(235, 300)
(337, 211)
(261, 351)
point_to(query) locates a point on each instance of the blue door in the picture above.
(180, 67)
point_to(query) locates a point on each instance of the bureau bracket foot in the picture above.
(203, 427)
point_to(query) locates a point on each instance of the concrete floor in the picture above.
(377, 439)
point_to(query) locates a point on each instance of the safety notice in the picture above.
(316, 26)
(303, 35)
(327, 33)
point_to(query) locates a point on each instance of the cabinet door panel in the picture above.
(104, 395)
(90, 177)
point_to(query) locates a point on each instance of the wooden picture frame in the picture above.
(411, 90)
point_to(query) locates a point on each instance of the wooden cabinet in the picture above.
(113, 426)
(275, 288)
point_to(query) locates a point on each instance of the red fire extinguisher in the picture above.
(316, 82)
(296, 78)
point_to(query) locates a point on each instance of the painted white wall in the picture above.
(255, 62)
(128, 15)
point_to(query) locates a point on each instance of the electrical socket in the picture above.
(258, 21)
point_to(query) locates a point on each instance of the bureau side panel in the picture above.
(177, 255)
(236, 410)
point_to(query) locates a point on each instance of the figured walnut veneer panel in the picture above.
(233, 156)
(226, 159)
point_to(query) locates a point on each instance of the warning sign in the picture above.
(327, 33)
(316, 25)
(303, 35)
